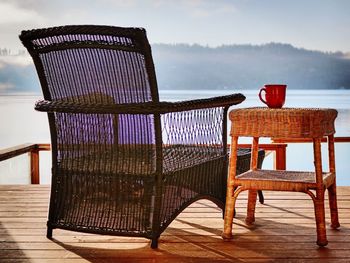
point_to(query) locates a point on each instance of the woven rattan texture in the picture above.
(283, 123)
(279, 175)
(124, 163)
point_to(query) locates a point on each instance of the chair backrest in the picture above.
(74, 61)
(95, 64)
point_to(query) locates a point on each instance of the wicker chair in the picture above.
(123, 163)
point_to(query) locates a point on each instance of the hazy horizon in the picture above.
(184, 66)
(22, 50)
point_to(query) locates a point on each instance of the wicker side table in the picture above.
(283, 123)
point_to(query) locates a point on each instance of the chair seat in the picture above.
(281, 180)
(142, 161)
(175, 157)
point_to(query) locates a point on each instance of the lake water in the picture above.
(20, 123)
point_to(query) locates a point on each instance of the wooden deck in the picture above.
(284, 232)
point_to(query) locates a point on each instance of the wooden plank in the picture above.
(177, 240)
(273, 213)
(19, 187)
(15, 151)
(21, 149)
(168, 260)
(184, 252)
(46, 260)
(46, 188)
(44, 146)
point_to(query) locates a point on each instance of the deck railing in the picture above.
(287, 140)
(279, 151)
(277, 147)
(33, 150)
(304, 140)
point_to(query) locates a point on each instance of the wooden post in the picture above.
(279, 161)
(34, 166)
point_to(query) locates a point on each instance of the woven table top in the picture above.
(283, 123)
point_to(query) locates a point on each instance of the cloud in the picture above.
(17, 60)
(6, 87)
(13, 14)
(192, 8)
(121, 3)
(207, 8)
(27, 4)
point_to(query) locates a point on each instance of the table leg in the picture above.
(252, 193)
(230, 201)
(250, 219)
(319, 201)
(332, 190)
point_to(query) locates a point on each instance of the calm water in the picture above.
(20, 123)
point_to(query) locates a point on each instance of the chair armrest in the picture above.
(137, 108)
(214, 102)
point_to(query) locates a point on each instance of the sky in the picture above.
(322, 25)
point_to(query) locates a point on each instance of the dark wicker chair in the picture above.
(123, 163)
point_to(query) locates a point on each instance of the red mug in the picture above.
(275, 95)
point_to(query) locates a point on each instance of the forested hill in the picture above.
(248, 67)
(183, 66)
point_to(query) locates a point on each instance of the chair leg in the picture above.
(154, 242)
(49, 232)
(261, 197)
(332, 196)
(251, 207)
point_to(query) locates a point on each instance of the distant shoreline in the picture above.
(228, 67)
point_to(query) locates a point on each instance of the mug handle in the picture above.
(260, 97)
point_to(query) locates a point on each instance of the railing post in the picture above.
(279, 160)
(34, 166)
